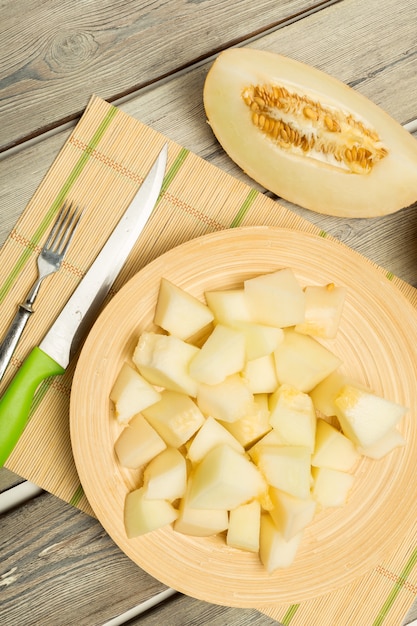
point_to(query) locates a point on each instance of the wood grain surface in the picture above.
(151, 59)
(112, 47)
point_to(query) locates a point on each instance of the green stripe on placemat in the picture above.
(74, 174)
(250, 198)
(173, 170)
(77, 495)
(286, 620)
(398, 586)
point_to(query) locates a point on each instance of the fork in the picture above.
(49, 261)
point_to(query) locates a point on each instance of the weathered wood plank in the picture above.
(66, 53)
(8, 479)
(55, 556)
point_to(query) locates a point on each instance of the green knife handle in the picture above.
(16, 401)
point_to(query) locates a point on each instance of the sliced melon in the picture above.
(308, 137)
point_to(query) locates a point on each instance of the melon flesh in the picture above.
(335, 152)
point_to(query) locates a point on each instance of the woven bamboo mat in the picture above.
(101, 166)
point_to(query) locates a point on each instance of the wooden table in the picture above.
(57, 565)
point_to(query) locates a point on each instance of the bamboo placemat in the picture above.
(101, 166)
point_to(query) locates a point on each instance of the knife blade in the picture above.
(53, 354)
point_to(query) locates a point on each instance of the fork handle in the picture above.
(11, 339)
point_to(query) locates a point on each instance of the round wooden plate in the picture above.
(377, 340)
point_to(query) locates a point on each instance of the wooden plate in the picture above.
(377, 340)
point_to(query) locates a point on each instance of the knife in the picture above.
(54, 352)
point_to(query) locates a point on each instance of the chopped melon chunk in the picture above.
(200, 522)
(365, 417)
(254, 424)
(287, 468)
(227, 401)
(290, 514)
(276, 299)
(260, 374)
(271, 438)
(224, 479)
(131, 393)
(244, 527)
(142, 515)
(210, 435)
(333, 449)
(331, 487)
(138, 443)
(165, 476)
(391, 440)
(274, 552)
(164, 361)
(222, 355)
(325, 393)
(293, 416)
(324, 305)
(301, 361)
(228, 306)
(261, 340)
(176, 417)
(180, 313)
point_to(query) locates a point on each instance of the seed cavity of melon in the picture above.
(301, 125)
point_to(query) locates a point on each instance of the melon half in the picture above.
(308, 137)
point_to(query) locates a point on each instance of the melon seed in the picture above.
(298, 122)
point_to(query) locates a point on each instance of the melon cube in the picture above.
(200, 522)
(323, 310)
(325, 393)
(260, 374)
(131, 393)
(293, 416)
(391, 440)
(164, 361)
(333, 449)
(165, 476)
(176, 417)
(271, 438)
(276, 299)
(254, 424)
(224, 479)
(331, 487)
(138, 443)
(260, 340)
(222, 355)
(210, 435)
(301, 361)
(287, 468)
(227, 401)
(142, 515)
(180, 313)
(290, 514)
(365, 417)
(244, 527)
(228, 305)
(274, 551)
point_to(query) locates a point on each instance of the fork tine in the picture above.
(64, 228)
(70, 230)
(56, 226)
